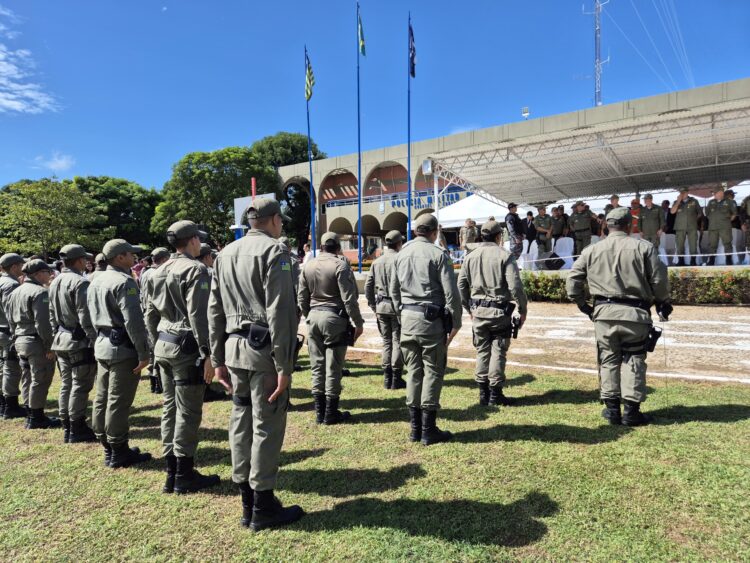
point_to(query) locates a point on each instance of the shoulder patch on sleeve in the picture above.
(285, 265)
(132, 291)
(204, 285)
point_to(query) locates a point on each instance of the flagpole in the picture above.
(408, 130)
(313, 237)
(359, 158)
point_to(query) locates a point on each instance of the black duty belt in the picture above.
(622, 301)
(582, 230)
(171, 338)
(489, 303)
(331, 309)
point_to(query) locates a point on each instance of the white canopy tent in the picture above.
(474, 207)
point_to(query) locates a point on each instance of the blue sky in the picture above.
(126, 88)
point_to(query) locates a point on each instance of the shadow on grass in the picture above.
(552, 433)
(510, 382)
(480, 523)
(348, 482)
(570, 396)
(154, 433)
(681, 414)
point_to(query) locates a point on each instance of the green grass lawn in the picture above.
(543, 480)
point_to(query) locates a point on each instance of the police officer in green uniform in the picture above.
(10, 370)
(252, 320)
(559, 224)
(489, 282)
(379, 300)
(101, 266)
(159, 256)
(543, 225)
(687, 211)
(621, 312)
(744, 211)
(28, 316)
(73, 343)
(651, 221)
(614, 203)
(720, 213)
(177, 322)
(328, 299)
(580, 226)
(424, 290)
(121, 351)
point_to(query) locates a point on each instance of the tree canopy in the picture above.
(128, 206)
(204, 185)
(39, 217)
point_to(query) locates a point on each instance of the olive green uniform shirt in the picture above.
(581, 221)
(377, 283)
(28, 313)
(720, 213)
(651, 220)
(620, 267)
(558, 226)
(253, 284)
(178, 301)
(114, 302)
(687, 215)
(328, 280)
(424, 274)
(543, 223)
(69, 308)
(8, 284)
(490, 273)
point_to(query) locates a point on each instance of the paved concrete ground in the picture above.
(708, 343)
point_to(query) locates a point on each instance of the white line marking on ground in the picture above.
(744, 380)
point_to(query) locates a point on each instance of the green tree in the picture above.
(128, 206)
(39, 217)
(204, 185)
(284, 149)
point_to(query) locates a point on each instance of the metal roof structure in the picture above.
(676, 147)
(657, 143)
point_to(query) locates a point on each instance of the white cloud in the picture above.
(58, 162)
(18, 92)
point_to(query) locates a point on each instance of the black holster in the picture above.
(654, 334)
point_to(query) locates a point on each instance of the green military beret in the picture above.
(393, 237)
(35, 266)
(73, 252)
(579, 203)
(261, 208)
(491, 228)
(10, 259)
(619, 216)
(330, 237)
(684, 190)
(119, 246)
(426, 223)
(159, 253)
(648, 196)
(185, 230)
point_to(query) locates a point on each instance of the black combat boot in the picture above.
(497, 397)
(12, 409)
(320, 407)
(484, 393)
(711, 260)
(612, 411)
(431, 434)
(211, 394)
(333, 414)
(80, 432)
(107, 451)
(730, 260)
(125, 456)
(37, 420)
(681, 261)
(346, 373)
(170, 466)
(66, 429)
(415, 418)
(269, 513)
(398, 380)
(247, 494)
(693, 261)
(2, 405)
(188, 480)
(387, 377)
(632, 415)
